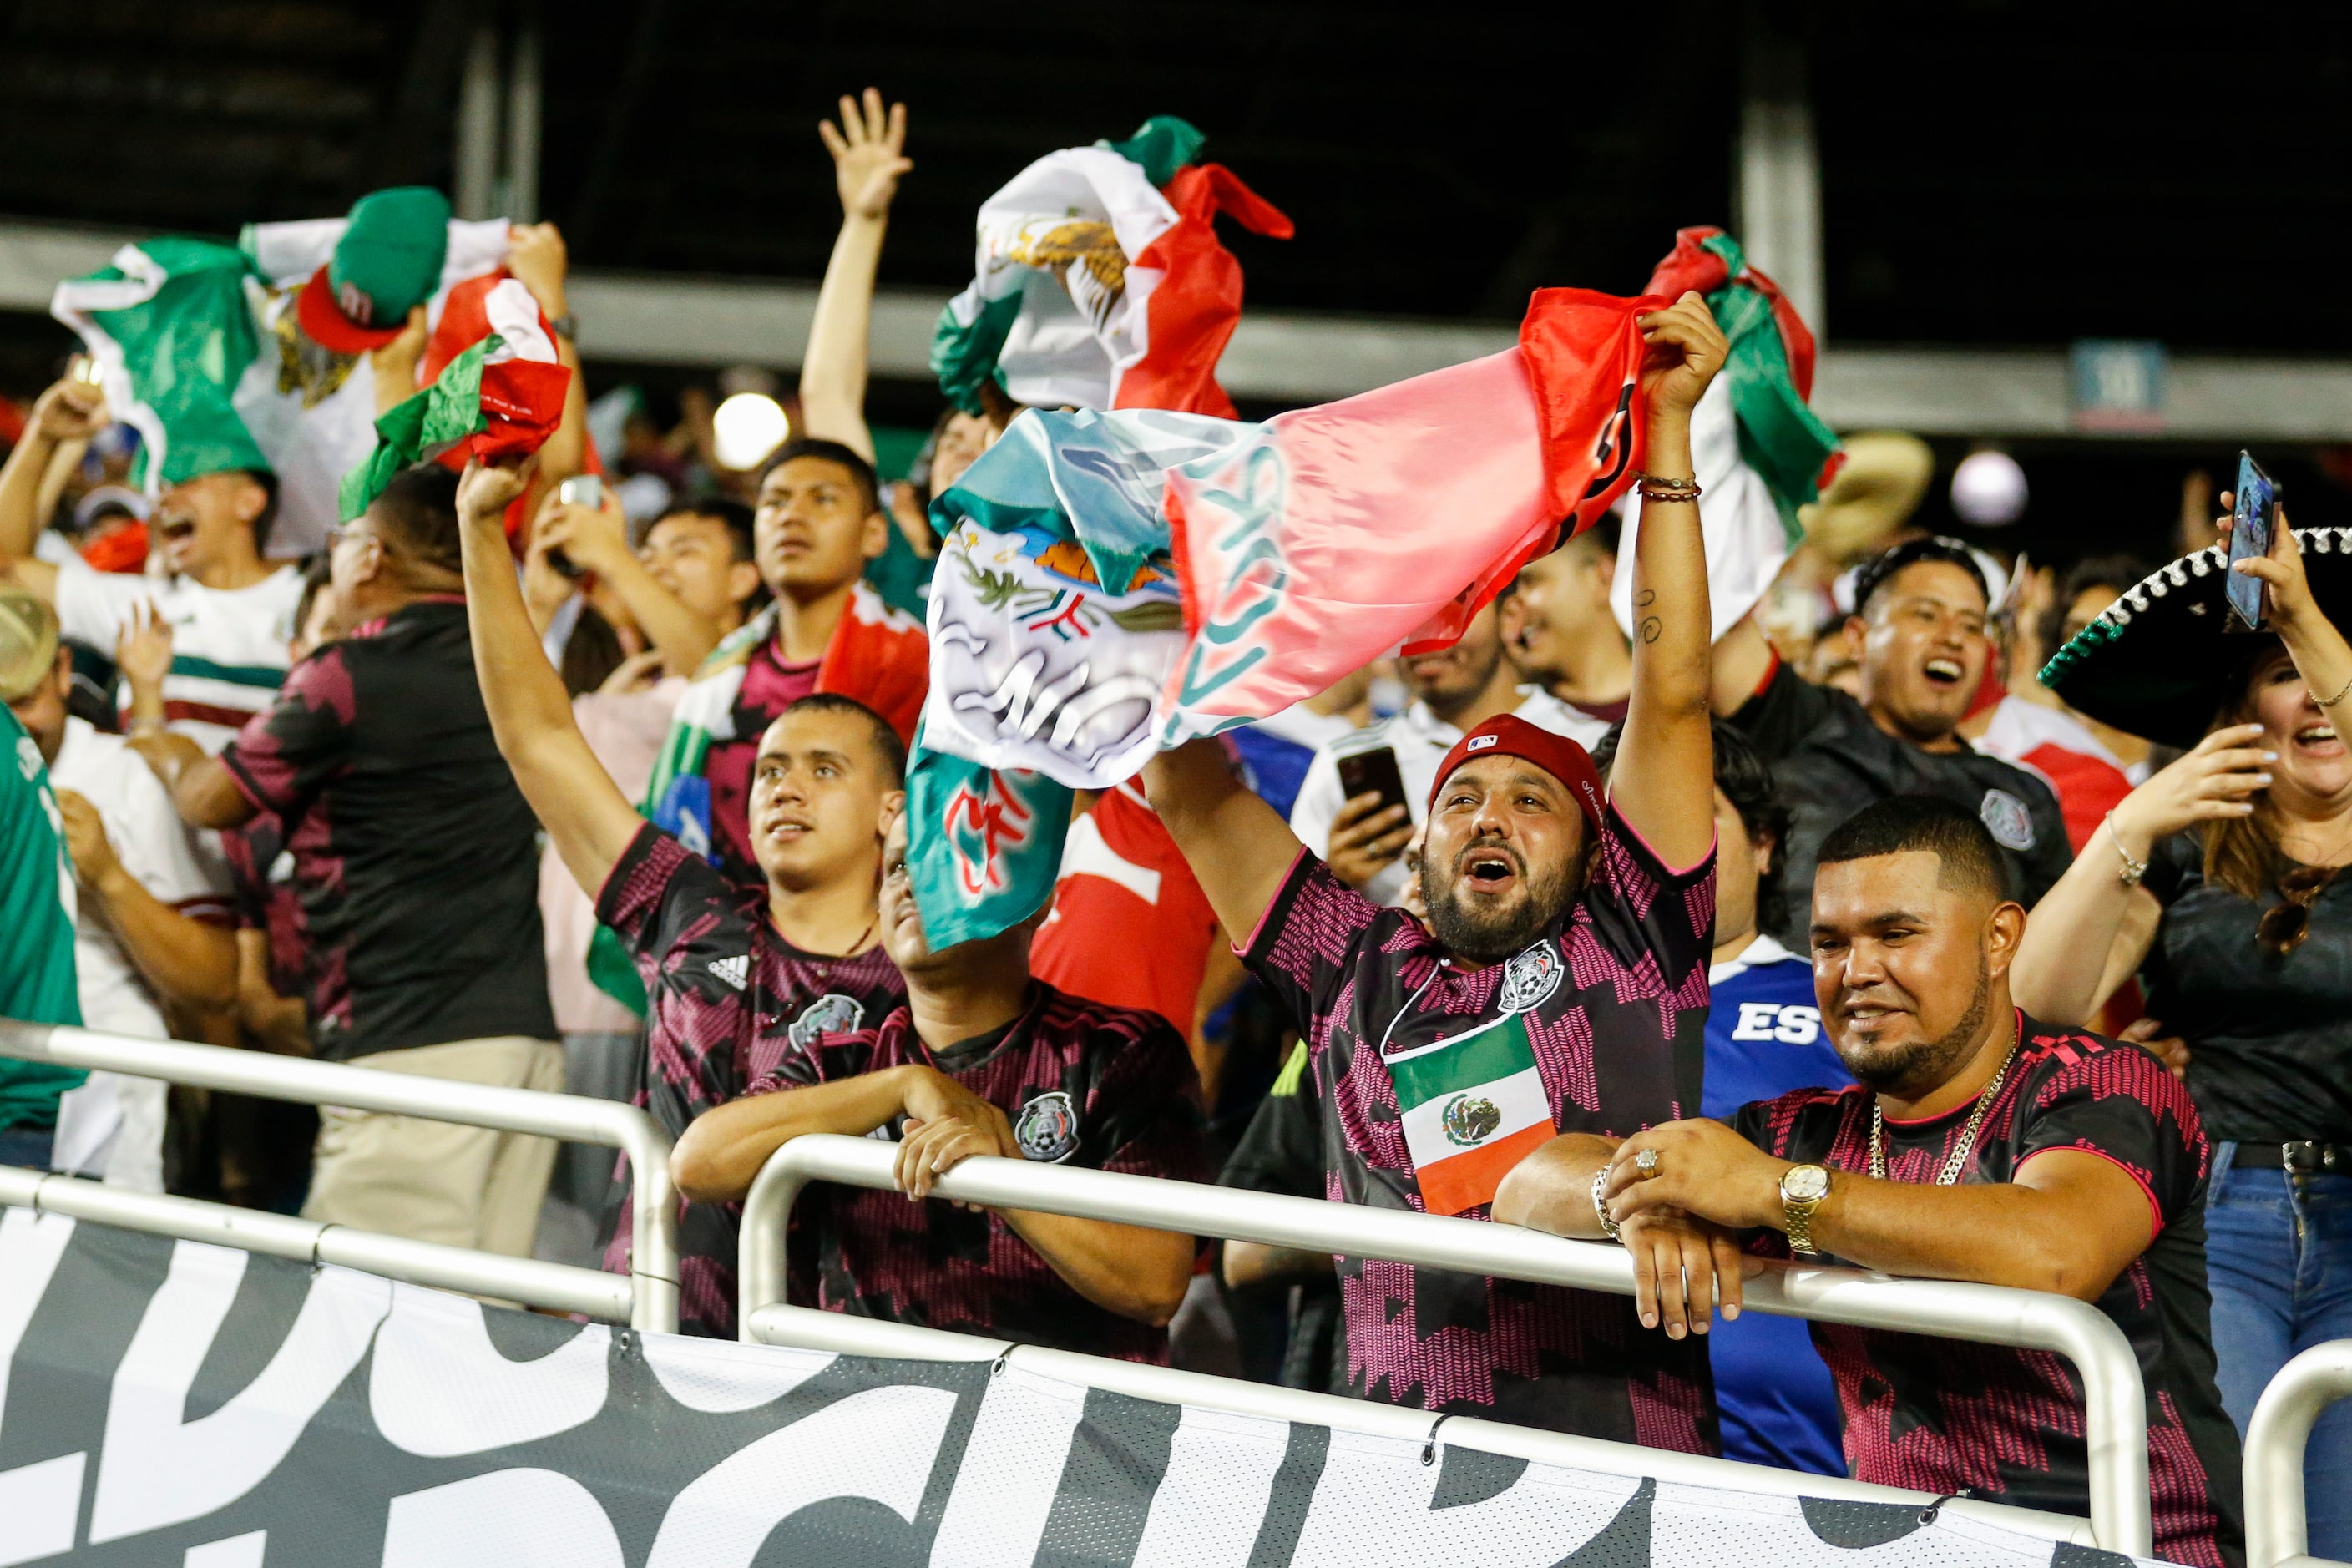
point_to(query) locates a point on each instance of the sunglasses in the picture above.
(2286, 924)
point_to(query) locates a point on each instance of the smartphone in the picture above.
(1372, 770)
(580, 490)
(2251, 525)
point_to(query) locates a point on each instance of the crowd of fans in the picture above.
(1736, 936)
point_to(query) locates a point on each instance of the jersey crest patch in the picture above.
(736, 971)
(1047, 1128)
(1530, 978)
(831, 1013)
(2005, 816)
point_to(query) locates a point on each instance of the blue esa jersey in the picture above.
(1764, 1037)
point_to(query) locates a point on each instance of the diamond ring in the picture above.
(1647, 1162)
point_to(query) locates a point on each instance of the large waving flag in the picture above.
(1112, 583)
(1100, 282)
(200, 348)
(1759, 451)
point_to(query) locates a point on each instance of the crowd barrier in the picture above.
(2276, 1536)
(2114, 1394)
(646, 1299)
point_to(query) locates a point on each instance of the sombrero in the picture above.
(2161, 660)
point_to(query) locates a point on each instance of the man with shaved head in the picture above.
(736, 979)
(1978, 1145)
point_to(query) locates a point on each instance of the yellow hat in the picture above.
(28, 643)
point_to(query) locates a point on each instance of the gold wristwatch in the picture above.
(1802, 1189)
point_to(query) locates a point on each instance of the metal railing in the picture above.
(2114, 1397)
(2278, 1531)
(651, 1286)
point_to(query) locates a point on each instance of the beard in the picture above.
(1914, 1068)
(1491, 935)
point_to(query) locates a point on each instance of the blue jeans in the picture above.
(26, 1146)
(2278, 1252)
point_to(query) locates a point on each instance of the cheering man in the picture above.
(1978, 1145)
(1564, 987)
(982, 1059)
(736, 979)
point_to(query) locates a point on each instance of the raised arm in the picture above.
(1663, 782)
(1237, 845)
(596, 538)
(68, 411)
(587, 818)
(866, 164)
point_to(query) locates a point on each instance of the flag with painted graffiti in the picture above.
(984, 843)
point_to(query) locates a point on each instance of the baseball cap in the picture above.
(107, 499)
(387, 263)
(28, 643)
(1508, 735)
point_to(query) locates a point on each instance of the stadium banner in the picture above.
(194, 1407)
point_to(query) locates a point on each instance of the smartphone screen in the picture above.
(581, 489)
(2251, 522)
(1373, 771)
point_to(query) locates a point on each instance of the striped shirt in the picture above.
(228, 645)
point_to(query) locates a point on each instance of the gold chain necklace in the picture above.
(1960, 1151)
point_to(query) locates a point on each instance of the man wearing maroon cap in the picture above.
(1560, 985)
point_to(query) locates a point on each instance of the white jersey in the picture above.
(228, 645)
(113, 1126)
(1421, 740)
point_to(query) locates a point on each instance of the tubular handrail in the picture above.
(2276, 1528)
(653, 1280)
(2113, 1394)
(557, 1285)
(806, 1328)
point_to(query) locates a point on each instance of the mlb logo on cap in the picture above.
(1480, 743)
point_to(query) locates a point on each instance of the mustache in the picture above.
(1494, 845)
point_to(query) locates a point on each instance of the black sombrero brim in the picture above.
(2161, 660)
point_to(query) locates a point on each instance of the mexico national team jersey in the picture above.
(36, 926)
(1764, 1037)
(1939, 1414)
(1435, 1080)
(1111, 1088)
(728, 1001)
(228, 645)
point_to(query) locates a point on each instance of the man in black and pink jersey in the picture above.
(1978, 1145)
(736, 979)
(982, 1059)
(1560, 985)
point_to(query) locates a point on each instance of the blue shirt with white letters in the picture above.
(1764, 1037)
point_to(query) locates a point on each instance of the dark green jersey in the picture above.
(37, 927)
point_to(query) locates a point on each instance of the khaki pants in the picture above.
(436, 1181)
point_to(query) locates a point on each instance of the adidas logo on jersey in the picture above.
(735, 971)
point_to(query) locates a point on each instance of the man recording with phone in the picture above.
(1363, 795)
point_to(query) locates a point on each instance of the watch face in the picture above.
(1806, 1184)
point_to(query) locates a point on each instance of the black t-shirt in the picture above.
(1937, 1414)
(416, 857)
(1828, 760)
(1111, 1088)
(2270, 1037)
(727, 1000)
(1599, 1026)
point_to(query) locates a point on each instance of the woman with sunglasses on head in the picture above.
(2225, 883)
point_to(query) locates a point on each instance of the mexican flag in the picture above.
(989, 848)
(1099, 281)
(1473, 1107)
(500, 396)
(1759, 451)
(199, 350)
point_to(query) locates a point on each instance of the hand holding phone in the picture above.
(580, 490)
(2253, 523)
(1364, 842)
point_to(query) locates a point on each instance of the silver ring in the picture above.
(1647, 1162)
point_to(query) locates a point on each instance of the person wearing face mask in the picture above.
(1979, 1144)
(228, 606)
(979, 1059)
(1919, 613)
(2221, 883)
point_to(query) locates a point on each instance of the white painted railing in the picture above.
(648, 1297)
(2276, 1528)
(2114, 1396)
